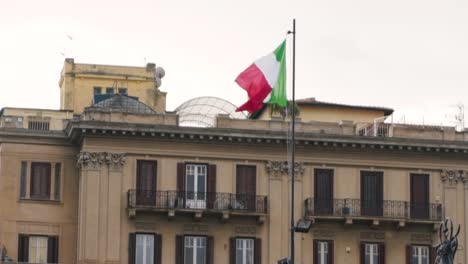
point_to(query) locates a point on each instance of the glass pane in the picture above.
(190, 186)
(144, 249)
(38, 249)
(200, 255)
(201, 187)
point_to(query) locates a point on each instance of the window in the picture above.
(97, 90)
(41, 182)
(109, 90)
(244, 251)
(372, 254)
(123, 91)
(420, 255)
(144, 249)
(194, 250)
(38, 248)
(196, 185)
(323, 251)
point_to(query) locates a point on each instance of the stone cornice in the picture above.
(96, 159)
(452, 177)
(80, 129)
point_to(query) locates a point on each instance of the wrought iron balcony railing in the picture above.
(373, 209)
(247, 203)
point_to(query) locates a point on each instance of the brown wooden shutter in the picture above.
(381, 253)
(211, 185)
(363, 253)
(157, 249)
(23, 179)
(209, 250)
(232, 250)
(58, 169)
(181, 184)
(179, 250)
(315, 251)
(258, 251)
(131, 248)
(52, 249)
(331, 252)
(408, 254)
(23, 248)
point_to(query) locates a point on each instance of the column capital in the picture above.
(453, 176)
(277, 169)
(94, 160)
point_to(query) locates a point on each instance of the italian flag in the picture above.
(265, 81)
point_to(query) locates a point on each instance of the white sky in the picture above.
(410, 55)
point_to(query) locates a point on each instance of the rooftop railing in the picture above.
(373, 209)
(210, 201)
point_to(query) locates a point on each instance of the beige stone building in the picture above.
(113, 177)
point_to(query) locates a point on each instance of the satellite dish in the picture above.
(158, 75)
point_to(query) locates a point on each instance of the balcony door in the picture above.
(246, 187)
(372, 193)
(195, 185)
(323, 186)
(419, 192)
(146, 182)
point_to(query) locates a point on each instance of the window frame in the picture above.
(136, 244)
(110, 90)
(46, 247)
(377, 253)
(245, 249)
(429, 248)
(26, 180)
(329, 257)
(97, 90)
(197, 202)
(122, 91)
(194, 249)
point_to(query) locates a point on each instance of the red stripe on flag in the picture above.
(254, 82)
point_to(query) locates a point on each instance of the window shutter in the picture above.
(232, 250)
(315, 251)
(408, 254)
(181, 183)
(211, 185)
(23, 248)
(52, 249)
(179, 250)
(363, 253)
(331, 252)
(209, 250)
(23, 179)
(382, 253)
(258, 251)
(131, 248)
(157, 249)
(58, 168)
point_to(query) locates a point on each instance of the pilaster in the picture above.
(99, 206)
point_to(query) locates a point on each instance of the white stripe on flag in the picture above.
(269, 66)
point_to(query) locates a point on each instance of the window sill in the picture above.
(40, 201)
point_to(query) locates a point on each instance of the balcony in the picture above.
(198, 203)
(356, 209)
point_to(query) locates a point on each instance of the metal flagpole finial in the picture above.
(447, 248)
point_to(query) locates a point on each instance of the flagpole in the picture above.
(293, 142)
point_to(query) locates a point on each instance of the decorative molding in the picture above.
(372, 235)
(196, 228)
(276, 169)
(245, 230)
(452, 177)
(38, 228)
(149, 226)
(421, 237)
(96, 159)
(322, 233)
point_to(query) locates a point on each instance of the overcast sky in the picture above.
(410, 55)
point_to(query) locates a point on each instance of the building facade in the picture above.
(117, 179)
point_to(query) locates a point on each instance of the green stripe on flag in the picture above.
(278, 94)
